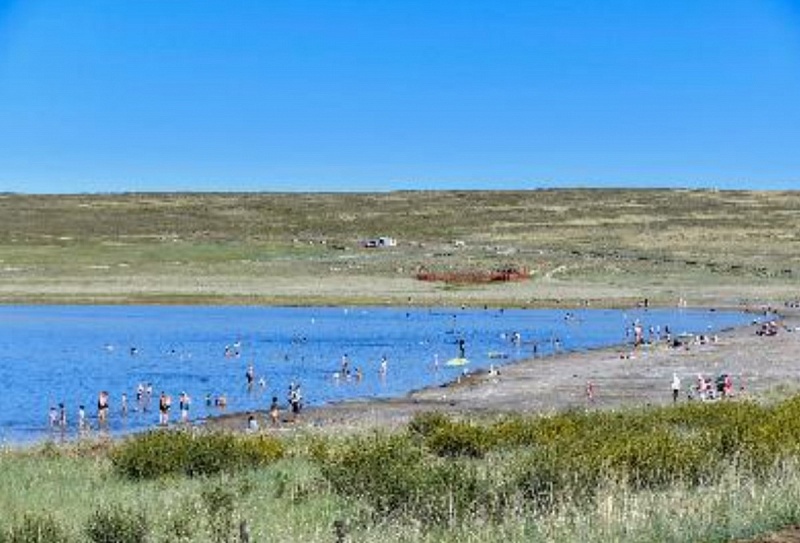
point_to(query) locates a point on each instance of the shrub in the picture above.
(117, 525)
(397, 478)
(159, 453)
(426, 423)
(152, 454)
(459, 439)
(381, 469)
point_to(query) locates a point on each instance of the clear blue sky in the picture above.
(124, 95)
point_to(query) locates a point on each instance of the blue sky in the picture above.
(115, 95)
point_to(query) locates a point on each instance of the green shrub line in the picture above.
(564, 458)
(537, 478)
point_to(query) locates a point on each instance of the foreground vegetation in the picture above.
(699, 472)
(597, 245)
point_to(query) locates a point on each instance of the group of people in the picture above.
(57, 416)
(705, 388)
(347, 374)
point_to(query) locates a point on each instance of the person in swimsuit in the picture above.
(274, 411)
(81, 419)
(62, 416)
(185, 402)
(384, 367)
(102, 408)
(53, 417)
(251, 376)
(164, 403)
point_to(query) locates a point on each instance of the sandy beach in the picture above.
(762, 368)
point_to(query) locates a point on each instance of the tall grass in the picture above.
(698, 473)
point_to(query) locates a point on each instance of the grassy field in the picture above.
(700, 472)
(604, 246)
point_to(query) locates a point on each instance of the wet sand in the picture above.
(762, 367)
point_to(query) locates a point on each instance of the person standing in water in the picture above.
(251, 377)
(384, 366)
(62, 416)
(102, 408)
(81, 419)
(53, 417)
(295, 399)
(184, 402)
(164, 403)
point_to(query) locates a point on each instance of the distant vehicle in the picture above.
(381, 242)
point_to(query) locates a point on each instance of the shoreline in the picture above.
(545, 384)
(620, 378)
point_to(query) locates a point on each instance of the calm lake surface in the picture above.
(68, 354)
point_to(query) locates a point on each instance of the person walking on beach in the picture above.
(676, 387)
(590, 391)
(274, 411)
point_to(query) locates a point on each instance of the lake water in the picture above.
(67, 354)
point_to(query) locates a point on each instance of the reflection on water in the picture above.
(238, 358)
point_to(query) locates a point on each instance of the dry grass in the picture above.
(607, 246)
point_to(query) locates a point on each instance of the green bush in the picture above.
(159, 453)
(426, 423)
(117, 525)
(382, 469)
(448, 438)
(35, 529)
(152, 454)
(398, 477)
(459, 439)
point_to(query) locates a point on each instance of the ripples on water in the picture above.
(55, 354)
